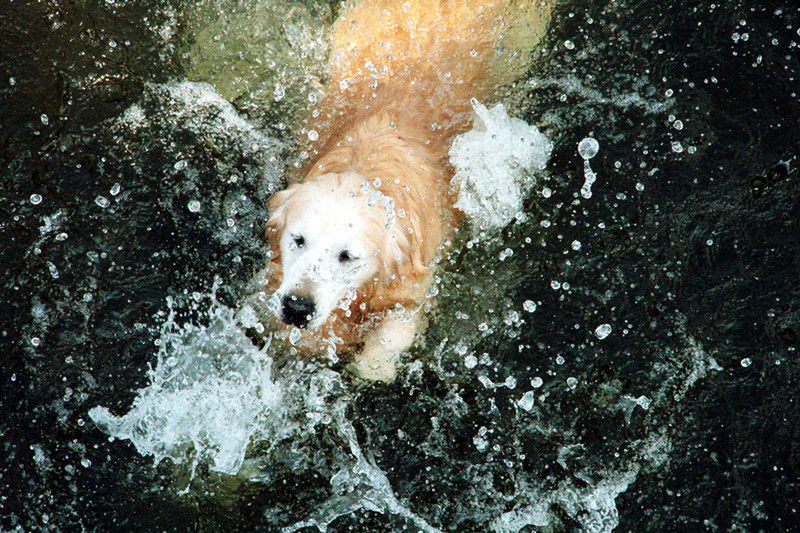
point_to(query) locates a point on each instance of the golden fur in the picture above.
(402, 74)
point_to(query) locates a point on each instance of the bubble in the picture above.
(677, 147)
(505, 254)
(102, 201)
(537, 382)
(678, 125)
(602, 331)
(313, 135)
(560, 360)
(53, 270)
(529, 306)
(746, 362)
(576, 245)
(546, 192)
(572, 382)
(36, 341)
(194, 206)
(555, 285)
(470, 361)
(526, 402)
(588, 147)
(569, 45)
(36, 199)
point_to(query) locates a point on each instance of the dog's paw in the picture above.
(375, 366)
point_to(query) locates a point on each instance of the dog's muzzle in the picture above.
(297, 310)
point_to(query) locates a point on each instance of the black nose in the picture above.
(297, 310)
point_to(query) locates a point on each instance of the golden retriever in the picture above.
(354, 239)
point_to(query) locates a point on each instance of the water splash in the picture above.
(495, 164)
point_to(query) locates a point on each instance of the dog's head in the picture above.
(333, 238)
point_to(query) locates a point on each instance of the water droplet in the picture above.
(588, 147)
(546, 192)
(602, 331)
(537, 382)
(180, 165)
(36, 341)
(710, 242)
(115, 189)
(86, 463)
(526, 402)
(294, 336)
(569, 45)
(102, 201)
(677, 147)
(572, 382)
(678, 125)
(36, 199)
(639, 187)
(470, 361)
(45, 120)
(194, 206)
(746, 362)
(555, 285)
(529, 306)
(279, 93)
(576, 245)
(112, 44)
(53, 270)
(12, 81)
(313, 135)
(560, 360)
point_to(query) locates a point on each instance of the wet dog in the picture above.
(354, 239)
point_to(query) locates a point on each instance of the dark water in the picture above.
(689, 251)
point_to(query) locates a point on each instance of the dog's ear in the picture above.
(277, 219)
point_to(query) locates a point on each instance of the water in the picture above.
(623, 360)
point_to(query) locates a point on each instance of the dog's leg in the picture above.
(378, 360)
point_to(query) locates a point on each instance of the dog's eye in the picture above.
(345, 257)
(299, 241)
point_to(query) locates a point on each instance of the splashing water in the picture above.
(213, 393)
(587, 149)
(495, 166)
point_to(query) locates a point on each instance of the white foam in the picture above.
(209, 393)
(495, 164)
(212, 394)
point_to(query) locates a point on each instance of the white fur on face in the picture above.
(326, 252)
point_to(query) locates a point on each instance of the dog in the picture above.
(353, 240)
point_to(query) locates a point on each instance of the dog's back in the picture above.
(428, 57)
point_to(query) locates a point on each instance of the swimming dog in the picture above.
(354, 238)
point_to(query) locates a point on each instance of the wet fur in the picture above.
(402, 76)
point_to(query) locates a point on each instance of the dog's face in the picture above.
(332, 236)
